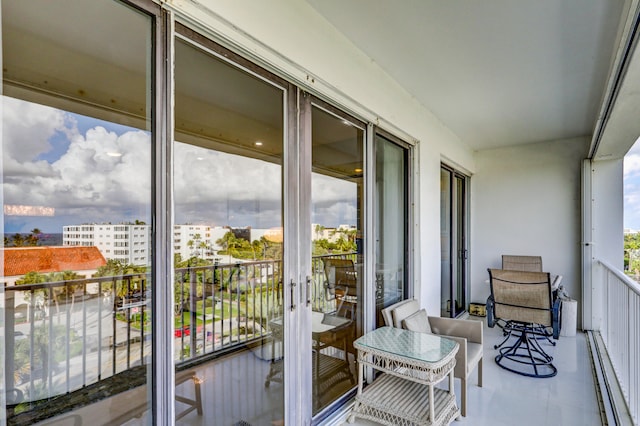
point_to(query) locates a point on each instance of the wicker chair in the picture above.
(522, 263)
(525, 301)
(468, 333)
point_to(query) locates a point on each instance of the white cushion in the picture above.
(418, 321)
(386, 312)
(403, 311)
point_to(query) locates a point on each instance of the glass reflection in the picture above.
(337, 186)
(77, 232)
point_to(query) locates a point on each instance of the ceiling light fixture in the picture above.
(258, 143)
(114, 154)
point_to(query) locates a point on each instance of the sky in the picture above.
(632, 188)
(93, 171)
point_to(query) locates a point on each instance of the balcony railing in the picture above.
(620, 332)
(75, 333)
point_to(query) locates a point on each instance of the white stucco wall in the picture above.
(291, 39)
(526, 201)
(607, 235)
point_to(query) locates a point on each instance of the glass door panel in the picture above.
(391, 228)
(337, 188)
(228, 240)
(453, 219)
(77, 222)
(446, 230)
(461, 250)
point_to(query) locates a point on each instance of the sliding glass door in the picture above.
(391, 230)
(453, 239)
(228, 236)
(337, 259)
(77, 157)
(188, 237)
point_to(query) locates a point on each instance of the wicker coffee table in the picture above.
(412, 364)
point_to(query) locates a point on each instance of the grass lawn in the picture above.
(230, 309)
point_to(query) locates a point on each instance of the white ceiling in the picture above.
(496, 72)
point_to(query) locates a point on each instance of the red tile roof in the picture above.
(21, 260)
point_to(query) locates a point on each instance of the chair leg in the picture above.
(463, 397)
(480, 372)
(525, 356)
(197, 381)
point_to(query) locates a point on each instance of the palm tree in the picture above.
(18, 240)
(203, 246)
(33, 277)
(34, 237)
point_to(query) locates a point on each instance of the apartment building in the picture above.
(128, 243)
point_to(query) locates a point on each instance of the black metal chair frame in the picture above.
(525, 352)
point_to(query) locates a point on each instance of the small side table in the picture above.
(412, 364)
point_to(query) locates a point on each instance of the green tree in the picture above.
(34, 297)
(34, 237)
(136, 277)
(66, 291)
(18, 240)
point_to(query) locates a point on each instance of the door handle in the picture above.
(291, 288)
(463, 254)
(308, 290)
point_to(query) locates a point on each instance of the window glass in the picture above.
(337, 217)
(228, 240)
(76, 157)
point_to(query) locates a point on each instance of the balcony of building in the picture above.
(535, 105)
(100, 330)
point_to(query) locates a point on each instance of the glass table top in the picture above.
(419, 346)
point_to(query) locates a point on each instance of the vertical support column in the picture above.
(9, 329)
(587, 247)
(162, 386)
(604, 224)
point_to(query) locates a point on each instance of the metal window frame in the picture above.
(411, 226)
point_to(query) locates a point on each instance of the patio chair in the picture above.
(522, 263)
(342, 284)
(468, 333)
(527, 264)
(525, 301)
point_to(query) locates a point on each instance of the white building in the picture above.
(197, 240)
(332, 235)
(128, 243)
(201, 240)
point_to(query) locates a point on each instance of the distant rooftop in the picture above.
(21, 260)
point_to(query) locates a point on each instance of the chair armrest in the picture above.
(460, 370)
(469, 329)
(491, 315)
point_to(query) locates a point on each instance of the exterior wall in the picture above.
(526, 200)
(294, 41)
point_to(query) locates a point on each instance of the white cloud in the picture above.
(81, 181)
(632, 161)
(221, 188)
(102, 176)
(28, 128)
